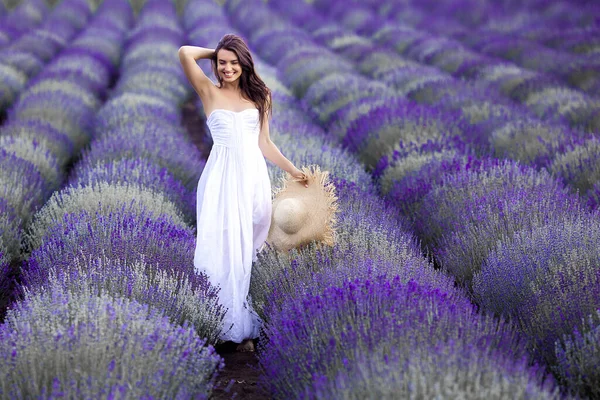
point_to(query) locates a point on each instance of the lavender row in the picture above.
(294, 369)
(50, 123)
(526, 139)
(501, 127)
(446, 54)
(544, 95)
(25, 57)
(24, 17)
(461, 216)
(508, 18)
(110, 299)
(577, 70)
(577, 40)
(541, 91)
(559, 25)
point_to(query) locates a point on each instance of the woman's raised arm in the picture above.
(188, 55)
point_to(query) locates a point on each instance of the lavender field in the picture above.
(463, 138)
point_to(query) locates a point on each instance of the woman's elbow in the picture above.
(182, 52)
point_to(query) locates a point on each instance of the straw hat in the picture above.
(303, 214)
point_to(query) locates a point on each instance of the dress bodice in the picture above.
(234, 129)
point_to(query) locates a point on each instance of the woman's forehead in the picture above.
(226, 55)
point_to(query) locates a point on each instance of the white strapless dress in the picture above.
(233, 216)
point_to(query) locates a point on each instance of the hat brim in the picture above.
(302, 215)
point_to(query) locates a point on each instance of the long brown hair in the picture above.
(252, 86)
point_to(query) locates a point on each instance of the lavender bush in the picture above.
(26, 63)
(578, 357)
(579, 166)
(89, 71)
(57, 142)
(494, 218)
(22, 187)
(12, 81)
(176, 291)
(142, 172)
(72, 90)
(392, 170)
(25, 56)
(32, 151)
(116, 235)
(65, 113)
(449, 370)
(333, 92)
(137, 140)
(164, 86)
(341, 121)
(101, 198)
(55, 343)
(20, 19)
(319, 337)
(464, 217)
(372, 240)
(531, 142)
(278, 278)
(546, 278)
(304, 67)
(401, 127)
(129, 107)
(463, 188)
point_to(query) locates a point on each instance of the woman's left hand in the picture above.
(300, 176)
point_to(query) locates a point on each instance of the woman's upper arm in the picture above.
(200, 82)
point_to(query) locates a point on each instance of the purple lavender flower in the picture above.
(464, 217)
(363, 315)
(116, 235)
(68, 112)
(81, 344)
(17, 66)
(56, 141)
(143, 172)
(578, 356)
(423, 371)
(135, 140)
(121, 110)
(22, 18)
(23, 186)
(408, 179)
(403, 128)
(182, 295)
(546, 278)
(336, 91)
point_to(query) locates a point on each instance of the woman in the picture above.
(234, 191)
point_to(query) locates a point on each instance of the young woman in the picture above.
(234, 191)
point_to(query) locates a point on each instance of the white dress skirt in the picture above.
(233, 216)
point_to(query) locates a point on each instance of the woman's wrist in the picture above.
(296, 172)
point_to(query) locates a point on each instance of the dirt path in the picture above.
(240, 376)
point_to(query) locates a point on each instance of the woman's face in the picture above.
(228, 66)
